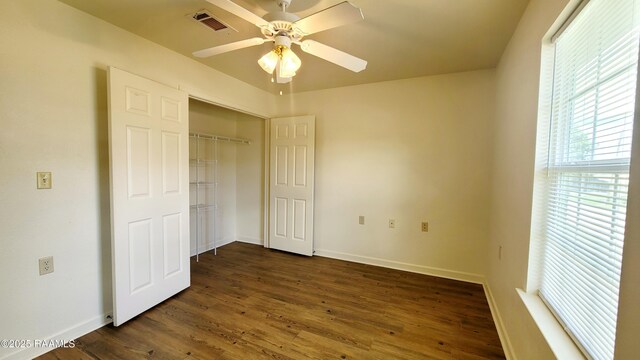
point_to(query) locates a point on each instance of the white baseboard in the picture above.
(71, 333)
(208, 247)
(224, 242)
(497, 319)
(420, 269)
(250, 240)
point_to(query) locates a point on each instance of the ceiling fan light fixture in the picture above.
(289, 63)
(281, 79)
(269, 61)
(284, 29)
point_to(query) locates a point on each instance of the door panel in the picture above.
(140, 254)
(301, 130)
(148, 148)
(281, 217)
(282, 165)
(138, 161)
(138, 101)
(170, 110)
(292, 151)
(170, 163)
(299, 219)
(300, 165)
(282, 131)
(171, 240)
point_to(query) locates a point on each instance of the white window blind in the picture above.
(588, 152)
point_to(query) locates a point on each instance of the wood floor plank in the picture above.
(249, 302)
(74, 353)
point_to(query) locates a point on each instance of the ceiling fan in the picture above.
(284, 29)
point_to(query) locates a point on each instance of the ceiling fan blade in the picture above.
(342, 14)
(229, 47)
(241, 12)
(335, 56)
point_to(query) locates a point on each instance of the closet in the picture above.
(226, 177)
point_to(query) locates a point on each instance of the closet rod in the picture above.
(220, 138)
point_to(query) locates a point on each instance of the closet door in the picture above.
(292, 155)
(149, 160)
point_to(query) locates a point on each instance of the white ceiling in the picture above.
(399, 38)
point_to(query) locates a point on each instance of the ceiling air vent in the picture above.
(206, 19)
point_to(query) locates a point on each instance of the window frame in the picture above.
(543, 168)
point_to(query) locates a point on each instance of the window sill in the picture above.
(558, 340)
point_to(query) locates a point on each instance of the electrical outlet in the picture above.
(44, 180)
(392, 223)
(46, 265)
(425, 226)
(361, 220)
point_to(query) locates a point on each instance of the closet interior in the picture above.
(226, 177)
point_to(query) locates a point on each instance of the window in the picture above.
(581, 191)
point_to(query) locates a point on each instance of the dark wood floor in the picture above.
(252, 303)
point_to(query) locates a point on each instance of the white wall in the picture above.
(410, 150)
(250, 180)
(518, 78)
(53, 99)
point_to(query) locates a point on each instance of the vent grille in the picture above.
(206, 19)
(213, 23)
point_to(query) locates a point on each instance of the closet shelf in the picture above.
(201, 207)
(202, 161)
(204, 183)
(211, 137)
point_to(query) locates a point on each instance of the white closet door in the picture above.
(149, 159)
(292, 155)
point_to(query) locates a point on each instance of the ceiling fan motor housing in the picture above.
(286, 3)
(283, 40)
(281, 23)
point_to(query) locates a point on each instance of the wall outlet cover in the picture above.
(45, 265)
(392, 223)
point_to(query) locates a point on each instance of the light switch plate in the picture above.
(44, 180)
(392, 223)
(361, 220)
